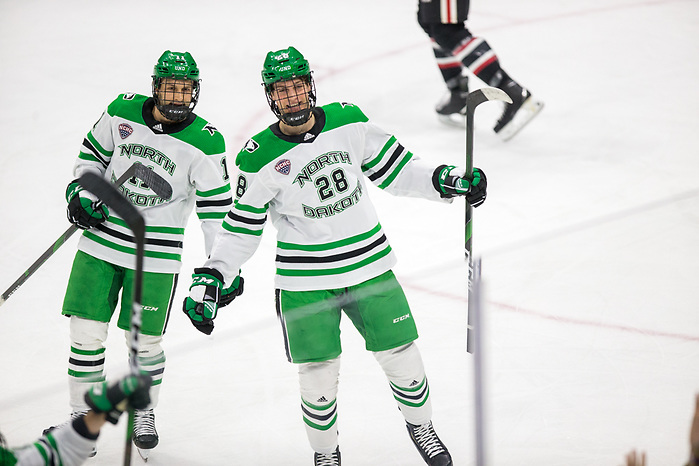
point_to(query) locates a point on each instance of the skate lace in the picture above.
(144, 423)
(326, 459)
(427, 439)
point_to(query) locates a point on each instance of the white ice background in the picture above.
(588, 237)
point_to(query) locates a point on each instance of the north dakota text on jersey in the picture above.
(149, 153)
(334, 208)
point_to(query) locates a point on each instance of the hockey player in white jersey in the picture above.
(71, 443)
(162, 133)
(307, 173)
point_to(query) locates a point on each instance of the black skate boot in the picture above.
(145, 437)
(451, 109)
(428, 444)
(327, 459)
(523, 108)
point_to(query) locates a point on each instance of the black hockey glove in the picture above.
(449, 184)
(201, 306)
(232, 292)
(131, 391)
(84, 211)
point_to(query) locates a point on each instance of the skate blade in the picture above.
(453, 119)
(529, 109)
(143, 453)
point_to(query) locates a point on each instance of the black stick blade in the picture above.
(154, 181)
(106, 192)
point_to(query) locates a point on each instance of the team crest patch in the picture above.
(251, 146)
(125, 130)
(283, 166)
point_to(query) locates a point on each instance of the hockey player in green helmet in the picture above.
(293, 97)
(307, 173)
(175, 85)
(163, 133)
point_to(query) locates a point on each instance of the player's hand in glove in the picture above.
(83, 208)
(450, 183)
(232, 292)
(132, 390)
(202, 303)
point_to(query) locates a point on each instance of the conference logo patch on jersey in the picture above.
(283, 166)
(251, 146)
(125, 130)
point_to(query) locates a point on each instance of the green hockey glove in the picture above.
(232, 292)
(113, 399)
(84, 211)
(201, 306)
(449, 184)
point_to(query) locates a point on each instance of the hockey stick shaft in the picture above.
(475, 305)
(473, 100)
(54, 247)
(110, 196)
(154, 181)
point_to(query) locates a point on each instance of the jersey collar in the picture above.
(307, 137)
(163, 128)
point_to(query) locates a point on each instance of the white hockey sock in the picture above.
(318, 382)
(151, 358)
(86, 361)
(406, 375)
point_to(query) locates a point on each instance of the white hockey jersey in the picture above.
(190, 155)
(63, 446)
(313, 188)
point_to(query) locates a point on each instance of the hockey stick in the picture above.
(154, 181)
(110, 196)
(475, 306)
(474, 99)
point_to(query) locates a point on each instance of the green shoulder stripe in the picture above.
(260, 150)
(129, 107)
(340, 114)
(204, 136)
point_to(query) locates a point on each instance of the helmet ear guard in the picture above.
(179, 66)
(285, 65)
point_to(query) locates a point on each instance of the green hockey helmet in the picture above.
(285, 65)
(180, 66)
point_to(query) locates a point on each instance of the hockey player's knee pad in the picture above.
(148, 345)
(319, 379)
(403, 364)
(88, 334)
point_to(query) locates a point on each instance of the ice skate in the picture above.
(522, 110)
(428, 444)
(327, 459)
(145, 437)
(451, 109)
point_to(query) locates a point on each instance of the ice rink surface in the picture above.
(588, 237)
